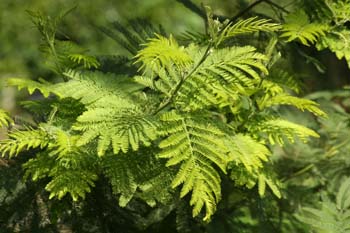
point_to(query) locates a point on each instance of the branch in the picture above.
(254, 4)
(240, 14)
(190, 5)
(194, 8)
(178, 86)
(277, 6)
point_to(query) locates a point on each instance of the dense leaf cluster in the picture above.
(189, 124)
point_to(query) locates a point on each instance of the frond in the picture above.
(247, 151)
(5, 119)
(277, 130)
(97, 88)
(39, 167)
(197, 146)
(340, 11)
(117, 127)
(338, 42)
(253, 24)
(331, 216)
(138, 175)
(57, 57)
(298, 27)
(343, 195)
(77, 182)
(226, 73)
(120, 170)
(56, 50)
(261, 177)
(162, 52)
(285, 79)
(300, 103)
(264, 179)
(31, 86)
(20, 140)
(64, 147)
(165, 82)
(86, 60)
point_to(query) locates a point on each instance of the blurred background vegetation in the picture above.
(19, 39)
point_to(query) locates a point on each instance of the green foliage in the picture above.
(139, 175)
(299, 27)
(24, 140)
(332, 216)
(206, 122)
(249, 25)
(160, 52)
(5, 119)
(337, 41)
(198, 85)
(276, 130)
(197, 145)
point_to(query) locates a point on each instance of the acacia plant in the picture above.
(176, 123)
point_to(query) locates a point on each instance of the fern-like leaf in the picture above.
(262, 181)
(121, 128)
(247, 151)
(5, 119)
(31, 86)
(338, 42)
(285, 79)
(86, 60)
(226, 73)
(20, 140)
(300, 103)
(76, 182)
(96, 88)
(276, 130)
(249, 25)
(330, 216)
(197, 146)
(162, 52)
(138, 175)
(298, 27)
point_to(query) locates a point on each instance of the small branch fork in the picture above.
(201, 13)
(193, 7)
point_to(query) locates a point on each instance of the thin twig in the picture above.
(178, 86)
(196, 9)
(277, 6)
(243, 12)
(193, 7)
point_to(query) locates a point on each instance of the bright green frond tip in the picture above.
(119, 129)
(298, 27)
(300, 103)
(86, 60)
(162, 52)
(250, 25)
(23, 140)
(5, 119)
(247, 151)
(75, 182)
(262, 181)
(277, 130)
(31, 86)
